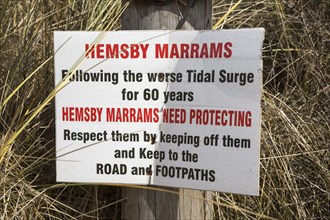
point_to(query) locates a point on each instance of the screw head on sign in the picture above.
(161, 77)
(148, 172)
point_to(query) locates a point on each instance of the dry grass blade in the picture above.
(295, 155)
(217, 25)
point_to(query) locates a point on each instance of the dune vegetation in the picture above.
(295, 143)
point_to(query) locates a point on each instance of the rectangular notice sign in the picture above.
(167, 108)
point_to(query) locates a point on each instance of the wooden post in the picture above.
(167, 15)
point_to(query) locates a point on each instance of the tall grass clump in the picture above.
(27, 155)
(295, 176)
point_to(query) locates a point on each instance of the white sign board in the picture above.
(167, 108)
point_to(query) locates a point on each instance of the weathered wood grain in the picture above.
(184, 203)
(143, 15)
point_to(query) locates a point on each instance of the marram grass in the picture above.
(295, 177)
